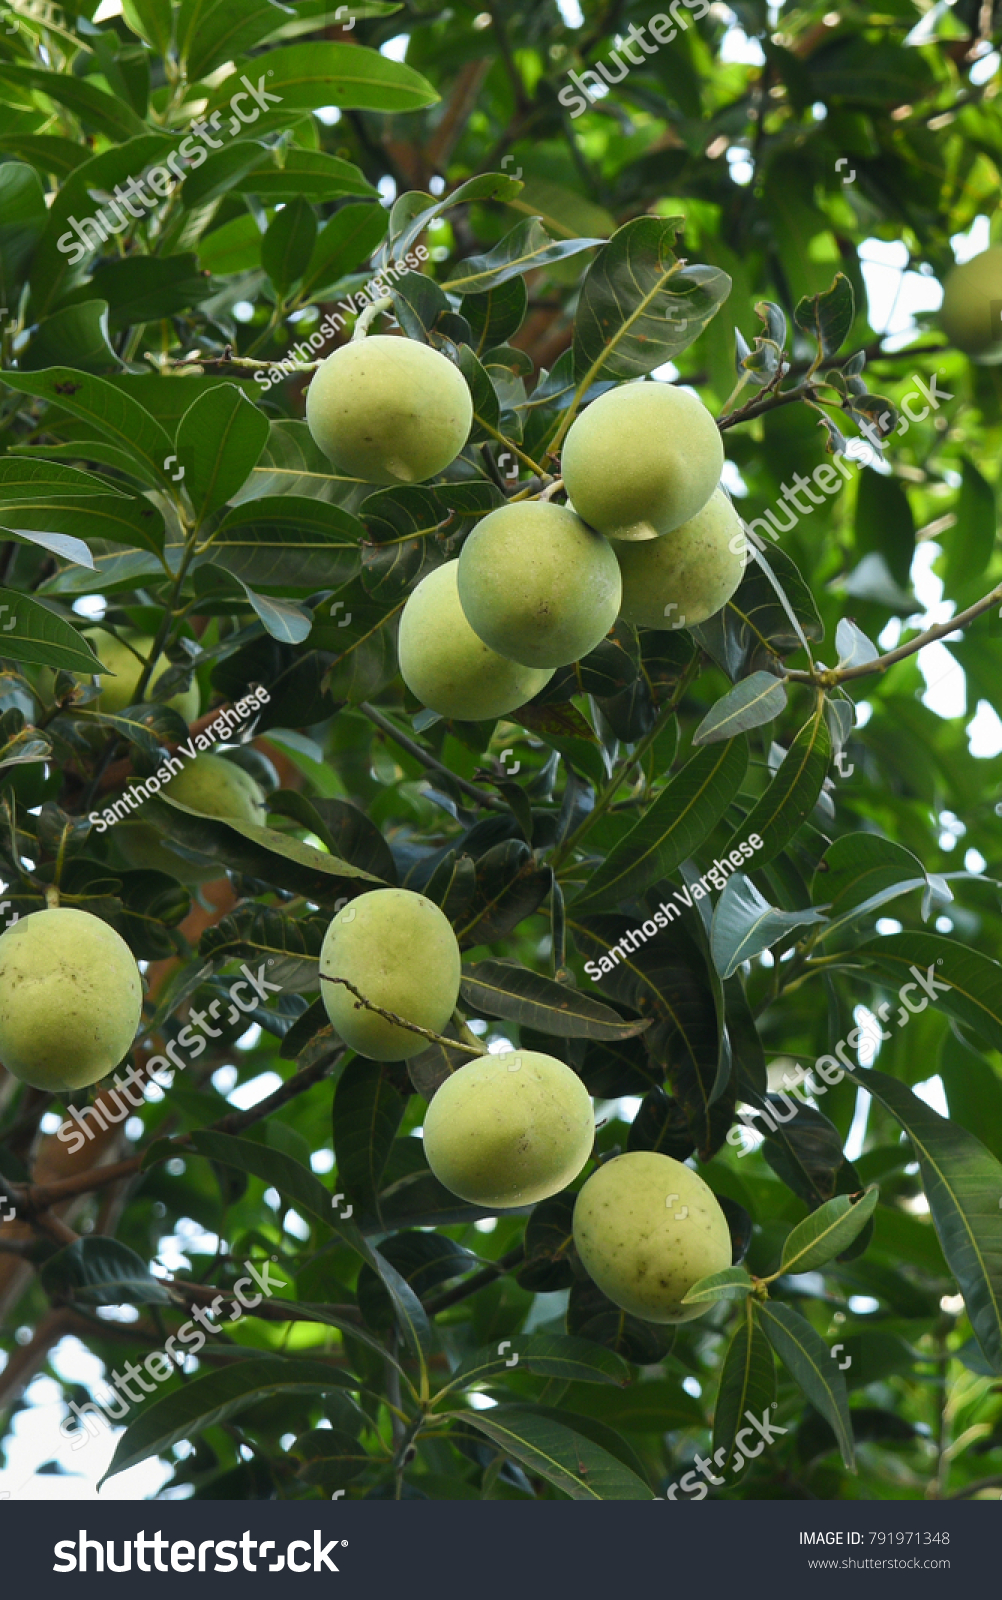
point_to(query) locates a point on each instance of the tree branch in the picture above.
(832, 678)
(401, 1022)
(429, 761)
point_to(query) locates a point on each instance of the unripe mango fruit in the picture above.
(389, 410)
(120, 691)
(686, 576)
(399, 951)
(537, 585)
(641, 460)
(70, 999)
(447, 667)
(646, 1229)
(971, 313)
(218, 788)
(509, 1130)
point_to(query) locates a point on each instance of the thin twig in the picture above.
(427, 760)
(401, 1022)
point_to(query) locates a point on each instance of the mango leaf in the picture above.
(861, 872)
(39, 635)
(113, 517)
(310, 173)
(23, 480)
(808, 1360)
(733, 1283)
(219, 441)
(744, 924)
(109, 409)
(305, 76)
(791, 796)
(639, 307)
(314, 1202)
(414, 212)
(828, 317)
(674, 827)
(288, 244)
(747, 1383)
(505, 989)
(367, 1114)
(827, 1231)
(756, 626)
(547, 1355)
(525, 248)
(346, 240)
(963, 1183)
(966, 984)
(78, 334)
(753, 702)
(211, 32)
(215, 1397)
(583, 1470)
(101, 1272)
(972, 540)
(98, 111)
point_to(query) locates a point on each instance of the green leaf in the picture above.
(109, 409)
(215, 1397)
(791, 796)
(753, 702)
(808, 1360)
(145, 289)
(733, 1283)
(583, 1470)
(546, 1355)
(346, 240)
(23, 215)
(971, 541)
(682, 816)
(211, 32)
(263, 853)
(98, 111)
(744, 924)
(963, 1183)
(414, 212)
(289, 540)
(860, 873)
(639, 307)
(136, 523)
(505, 989)
(367, 1114)
(78, 333)
(312, 174)
(828, 317)
(288, 245)
(40, 635)
(827, 1231)
(306, 76)
(313, 1201)
(23, 479)
(219, 441)
(525, 248)
(755, 625)
(747, 1383)
(101, 1272)
(222, 171)
(974, 992)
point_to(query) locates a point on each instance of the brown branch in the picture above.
(32, 1201)
(831, 679)
(489, 800)
(401, 1022)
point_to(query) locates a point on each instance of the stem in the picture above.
(401, 1022)
(494, 1269)
(369, 316)
(509, 444)
(831, 679)
(771, 402)
(489, 800)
